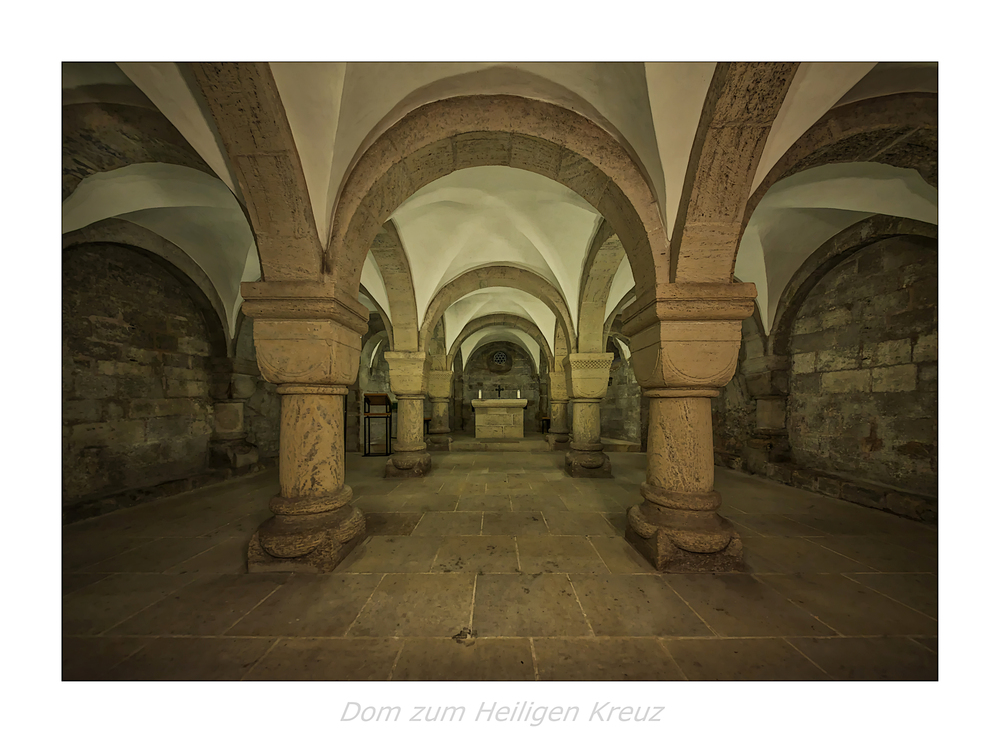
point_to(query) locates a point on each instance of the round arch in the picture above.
(603, 259)
(467, 131)
(834, 251)
(510, 277)
(387, 250)
(484, 343)
(508, 321)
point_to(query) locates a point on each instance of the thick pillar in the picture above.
(408, 381)
(558, 435)
(587, 383)
(439, 390)
(233, 382)
(685, 345)
(308, 342)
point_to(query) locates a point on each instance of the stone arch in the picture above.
(498, 276)
(898, 130)
(467, 131)
(622, 304)
(510, 321)
(742, 102)
(834, 251)
(387, 250)
(176, 262)
(514, 341)
(372, 345)
(603, 259)
(381, 312)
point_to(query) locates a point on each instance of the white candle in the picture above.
(480, 394)
(519, 394)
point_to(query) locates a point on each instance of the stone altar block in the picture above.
(500, 419)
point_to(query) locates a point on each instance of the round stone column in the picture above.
(678, 527)
(408, 382)
(439, 389)
(313, 523)
(558, 429)
(587, 381)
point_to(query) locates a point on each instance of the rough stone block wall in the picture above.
(734, 410)
(477, 376)
(863, 388)
(262, 412)
(621, 408)
(136, 407)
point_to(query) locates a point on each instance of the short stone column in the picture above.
(308, 342)
(408, 374)
(587, 383)
(439, 390)
(558, 435)
(685, 345)
(233, 382)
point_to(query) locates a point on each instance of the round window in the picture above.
(500, 358)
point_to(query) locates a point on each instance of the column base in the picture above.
(332, 546)
(408, 464)
(659, 545)
(587, 464)
(236, 454)
(557, 441)
(438, 442)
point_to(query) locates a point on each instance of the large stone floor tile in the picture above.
(604, 659)
(931, 643)
(860, 521)
(849, 607)
(591, 502)
(391, 524)
(578, 523)
(310, 606)
(448, 660)
(228, 556)
(483, 502)
(514, 523)
(771, 525)
(552, 554)
(192, 659)
(392, 555)
(492, 554)
(723, 659)
(527, 606)
(878, 555)
(620, 556)
(155, 556)
(75, 581)
(81, 550)
(870, 658)
(635, 606)
(92, 658)
(208, 606)
(341, 659)
(739, 605)
(918, 591)
(794, 555)
(417, 606)
(100, 606)
(618, 520)
(423, 502)
(391, 503)
(537, 502)
(449, 523)
(925, 544)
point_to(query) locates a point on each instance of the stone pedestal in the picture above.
(408, 381)
(439, 391)
(308, 342)
(231, 386)
(587, 383)
(500, 419)
(685, 345)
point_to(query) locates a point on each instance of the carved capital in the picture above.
(688, 335)
(408, 371)
(587, 374)
(439, 385)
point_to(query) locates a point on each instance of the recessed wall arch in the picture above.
(498, 276)
(482, 346)
(200, 287)
(509, 321)
(834, 251)
(455, 133)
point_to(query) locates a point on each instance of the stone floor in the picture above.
(498, 566)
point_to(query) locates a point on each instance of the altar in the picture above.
(500, 419)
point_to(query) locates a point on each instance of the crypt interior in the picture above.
(594, 371)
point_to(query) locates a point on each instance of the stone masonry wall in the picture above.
(734, 410)
(477, 376)
(863, 388)
(262, 412)
(136, 408)
(621, 407)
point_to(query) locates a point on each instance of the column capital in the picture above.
(439, 385)
(408, 372)
(587, 374)
(304, 332)
(688, 335)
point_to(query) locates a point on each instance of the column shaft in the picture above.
(409, 454)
